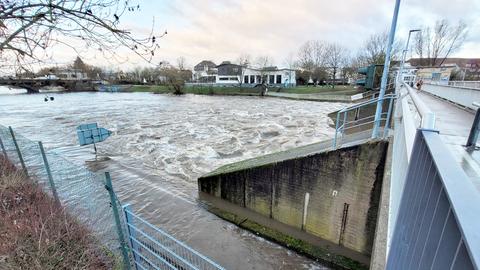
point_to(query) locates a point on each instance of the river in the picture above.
(161, 144)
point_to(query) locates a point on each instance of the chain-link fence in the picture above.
(91, 200)
(78, 190)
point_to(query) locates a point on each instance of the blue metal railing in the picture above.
(437, 225)
(349, 117)
(153, 248)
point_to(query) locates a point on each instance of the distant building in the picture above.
(470, 64)
(229, 73)
(463, 68)
(71, 74)
(439, 75)
(205, 71)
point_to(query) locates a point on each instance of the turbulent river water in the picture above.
(161, 144)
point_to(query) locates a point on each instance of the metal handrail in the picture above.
(341, 125)
(428, 117)
(362, 104)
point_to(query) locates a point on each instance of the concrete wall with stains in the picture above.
(332, 195)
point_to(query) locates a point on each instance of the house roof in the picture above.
(225, 63)
(201, 65)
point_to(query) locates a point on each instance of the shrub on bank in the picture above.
(36, 233)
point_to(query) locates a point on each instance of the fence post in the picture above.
(18, 151)
(336, 130)
(387, 121)
(113, 203)
(49, 173)
(3, 149)
(127, 209)
(473, 136)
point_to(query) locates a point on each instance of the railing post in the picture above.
(113, 203)
(3, 149)
(49, 173)
(18, 151)
(473, 136)
(131, 234)
(336, 130)
(389, 114)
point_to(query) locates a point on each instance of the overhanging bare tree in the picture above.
(374, 50)
(29, 27)
(434, 45)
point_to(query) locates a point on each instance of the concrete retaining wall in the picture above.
(331, 195)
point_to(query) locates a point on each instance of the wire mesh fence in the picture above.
(90, 198)
(153, 248)
(79, 191)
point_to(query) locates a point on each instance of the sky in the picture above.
(225, 29)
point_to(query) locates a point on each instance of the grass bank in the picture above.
(199, 90)
(36, 233)
(346, 90)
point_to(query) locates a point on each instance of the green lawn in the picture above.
(199, 90)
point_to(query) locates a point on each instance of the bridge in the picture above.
(430, 204)
(34, 85)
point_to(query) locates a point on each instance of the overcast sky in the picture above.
(225, 29)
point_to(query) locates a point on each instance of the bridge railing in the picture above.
(410, 113)
(463, 96)
(467, 84)
(437, 225)
(429, 223)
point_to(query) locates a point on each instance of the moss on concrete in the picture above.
(269, 159)
(318, 253)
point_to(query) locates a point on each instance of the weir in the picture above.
(320, 199)
(406, 200)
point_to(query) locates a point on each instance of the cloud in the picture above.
(223, 30)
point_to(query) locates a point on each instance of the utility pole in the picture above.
(386, 66)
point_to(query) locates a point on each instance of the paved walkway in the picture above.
(454, 125)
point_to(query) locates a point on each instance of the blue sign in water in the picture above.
(91, 134)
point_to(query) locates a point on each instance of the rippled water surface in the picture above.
(161, 144)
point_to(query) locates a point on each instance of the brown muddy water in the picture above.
(162, 143)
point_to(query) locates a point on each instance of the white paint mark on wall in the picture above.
(305, 209)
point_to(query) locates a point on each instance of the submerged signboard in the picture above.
(91, 134)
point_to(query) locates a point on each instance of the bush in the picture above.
(36, 233)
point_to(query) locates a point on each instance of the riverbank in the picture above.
(310, 93)
(36, 233)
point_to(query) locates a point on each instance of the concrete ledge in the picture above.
(314, 247)
(328, 199)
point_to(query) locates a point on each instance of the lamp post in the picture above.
(386, 66)
(404, 54)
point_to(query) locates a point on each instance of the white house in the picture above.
(205, 71)
(230, 74)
